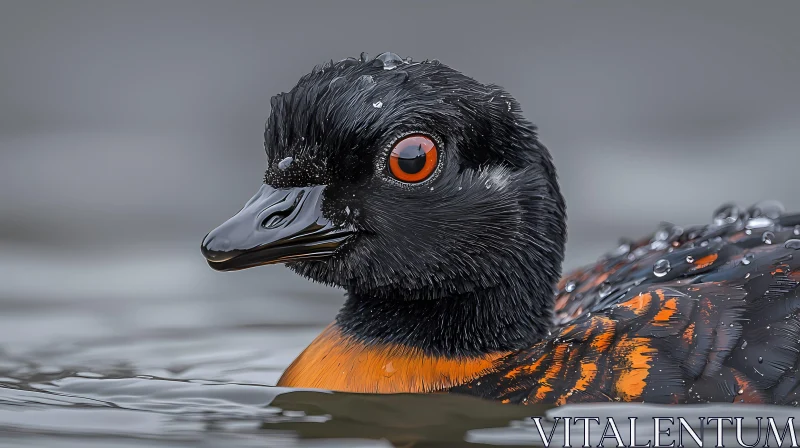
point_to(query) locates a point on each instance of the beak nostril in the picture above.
(277, 217)
(274, 220)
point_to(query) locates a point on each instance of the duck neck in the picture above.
(503, 318)
(418, 346)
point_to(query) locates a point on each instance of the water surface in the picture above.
(128, 347)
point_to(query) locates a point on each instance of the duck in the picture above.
(429, 198)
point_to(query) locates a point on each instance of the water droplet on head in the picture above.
(792, 244)
(389, 60)
(284, 164)
(796, 230)
(760, 359)
(377, 104)
(570, 286)
(726, 214)
(689, 259)
(748, 259)
(770, 209)
(661, 268)
(767, 237)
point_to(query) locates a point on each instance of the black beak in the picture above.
(275, 226)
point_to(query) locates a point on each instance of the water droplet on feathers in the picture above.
(758, 223)
(661, 268)
(389, 60)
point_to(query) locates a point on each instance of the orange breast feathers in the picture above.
(338, 362)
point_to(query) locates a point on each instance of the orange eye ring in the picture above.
(413, 158)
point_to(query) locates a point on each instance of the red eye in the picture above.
(413, 159)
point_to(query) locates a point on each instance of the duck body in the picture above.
(705, 314)
(429, 198)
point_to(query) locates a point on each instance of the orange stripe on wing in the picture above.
(589, 364)
(705, 262)
(557, 365)
(636, 354)
(639, 304)
(527, 369)
(668, 309)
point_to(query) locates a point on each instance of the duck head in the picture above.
(402, 181)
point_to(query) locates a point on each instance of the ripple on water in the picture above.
(124, 412)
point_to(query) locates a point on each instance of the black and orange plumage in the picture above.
(451, 257)
(706, 314)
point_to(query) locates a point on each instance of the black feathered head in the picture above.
(401, 180)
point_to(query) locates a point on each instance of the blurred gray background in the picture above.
(130, 129)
